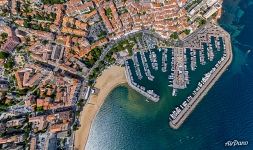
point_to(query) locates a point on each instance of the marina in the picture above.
(181, 112)
(182, 67)
(192, 67)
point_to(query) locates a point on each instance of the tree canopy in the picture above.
(3, 55)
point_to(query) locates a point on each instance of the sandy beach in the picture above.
(110, 78)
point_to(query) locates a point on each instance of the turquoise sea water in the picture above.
(127, 122)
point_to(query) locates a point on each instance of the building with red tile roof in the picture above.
(59, 127)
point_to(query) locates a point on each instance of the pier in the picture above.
(153, 59)
(164, 60)
(193, 60)
(137, 66)
(179, 81)
(146, 68)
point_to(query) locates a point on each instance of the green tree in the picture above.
(201, 22)
(174, 35)
(4, 35)
(72, 51)
(39, 109)
(108, 12)
(187, 31)
(27, 24)
(9, 64)
(4, 55)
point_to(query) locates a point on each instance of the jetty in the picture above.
(146, 68)
(193, 60)
(153, 59)
(179, 75)
(137, 66)
(164, 60)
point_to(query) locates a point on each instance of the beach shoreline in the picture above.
(105, 84)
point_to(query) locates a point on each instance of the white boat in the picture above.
(174, 92)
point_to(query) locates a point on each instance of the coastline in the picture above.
(105, 84)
